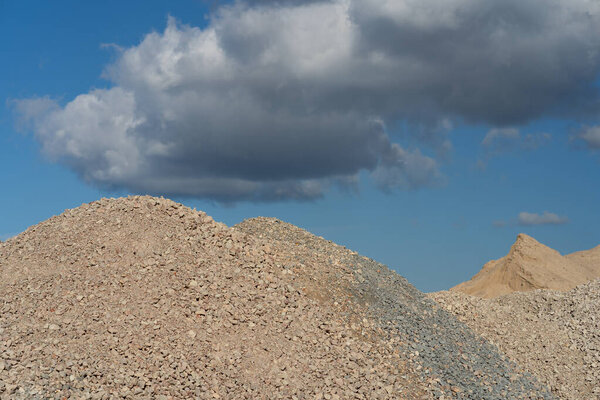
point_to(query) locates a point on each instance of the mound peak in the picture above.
(143, 297)
(526, 248)
(524, 240)
(531, 265)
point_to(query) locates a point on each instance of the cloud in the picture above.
(474, 59)
(590, 136)
(499, 224)
(295, 3)
(30, 110)
(547, 218)
(399, 169)
(533, 141)
(500, 140)
(503, 140)
(281, 101)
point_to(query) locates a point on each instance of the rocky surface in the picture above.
(144, 298)
(530, 265)
(554, 335)
(455, 362)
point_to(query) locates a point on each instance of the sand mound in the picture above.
(588, 259)
(531, 265)
(144, 298)
(555, 335)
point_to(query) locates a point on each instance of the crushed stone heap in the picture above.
(530, 265)
(554, 334)
(142, 297)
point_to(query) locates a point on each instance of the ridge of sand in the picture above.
(589, 259)
(142, 297)
(530, 265)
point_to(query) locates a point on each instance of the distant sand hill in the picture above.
(531, 265)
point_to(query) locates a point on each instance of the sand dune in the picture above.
(530, 265)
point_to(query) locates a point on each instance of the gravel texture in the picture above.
(554, 335)
(453, 360)
(144, 298)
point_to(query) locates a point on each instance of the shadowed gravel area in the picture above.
(554, 334)
(450, 357)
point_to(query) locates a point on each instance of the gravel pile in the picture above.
(144, 298)
(452, 359)
(554, 335)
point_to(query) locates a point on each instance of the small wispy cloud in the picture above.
(547, 218)
(112, 46)
(589, 136)
(533, 141)
(530, 219)
(499, 136)
(504, 140)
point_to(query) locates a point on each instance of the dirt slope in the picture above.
(531, 265)
(588, 259)
(144, 298)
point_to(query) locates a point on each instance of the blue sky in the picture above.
(314, 113)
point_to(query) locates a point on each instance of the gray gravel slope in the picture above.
(449, 356)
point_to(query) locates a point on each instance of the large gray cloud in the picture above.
(281, 100)
(499, 62)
